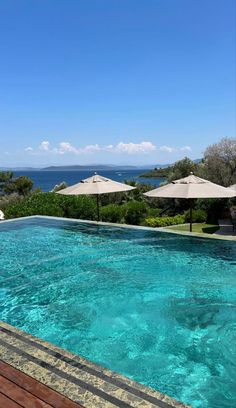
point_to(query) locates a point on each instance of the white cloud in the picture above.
(121, 147)
(170, 149)
(130, 148)
(91, 148)
(143, 147)
(167, 149)
(65, 147)
(44, 146)
(186, 149)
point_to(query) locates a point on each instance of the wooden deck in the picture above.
(18, 390)
(37, 374)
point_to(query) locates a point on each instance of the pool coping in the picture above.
(74, 377)
(137, 227)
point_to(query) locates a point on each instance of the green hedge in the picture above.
(164, 221)
(83, 207)
(131, 213)
(53, 204)
(198, 216)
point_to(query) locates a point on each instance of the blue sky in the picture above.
(115, 81)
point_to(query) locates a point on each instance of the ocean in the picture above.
(46, 180)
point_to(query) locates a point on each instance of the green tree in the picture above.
(6, 178)
(21, 185)
(220, 162)
(8, 184)
(181, 168)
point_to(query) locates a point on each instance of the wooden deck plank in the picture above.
(8, 403)
(20, 396)
(35, 388)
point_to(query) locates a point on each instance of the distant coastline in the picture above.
(47, 179)
(92, 167)
(156, 173)
(89, 167)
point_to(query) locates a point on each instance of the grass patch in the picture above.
(202, 228)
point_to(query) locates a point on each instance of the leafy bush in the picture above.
(214, 207)
(112, 213)
(134, 212)
(164, 221)
(197, 215)
(37, 204)
(83, 207)
(7, 200)
(153, 212)
(54, 205)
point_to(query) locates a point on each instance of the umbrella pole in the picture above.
(191, 215)
(98, 213)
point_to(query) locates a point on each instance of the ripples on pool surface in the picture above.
(157, 307)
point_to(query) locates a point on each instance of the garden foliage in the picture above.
(218, 165)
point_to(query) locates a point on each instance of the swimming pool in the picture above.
(157, 307)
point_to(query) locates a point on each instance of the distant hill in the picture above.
(93, 167)
(96, 167)
(18, 169)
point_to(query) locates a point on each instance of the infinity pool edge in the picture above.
(139, 227)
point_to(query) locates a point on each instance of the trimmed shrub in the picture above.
(164, 221)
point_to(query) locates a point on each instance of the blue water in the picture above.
(157, 307)
(46, 180)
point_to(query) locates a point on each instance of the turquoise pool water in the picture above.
(157, 307)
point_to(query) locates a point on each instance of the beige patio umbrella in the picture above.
(96, 185)
(232, 187)
(191, 187)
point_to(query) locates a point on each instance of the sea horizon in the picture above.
(47, 179)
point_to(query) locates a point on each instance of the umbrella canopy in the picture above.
(191, 187)
(96, 185)
(232, 187)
